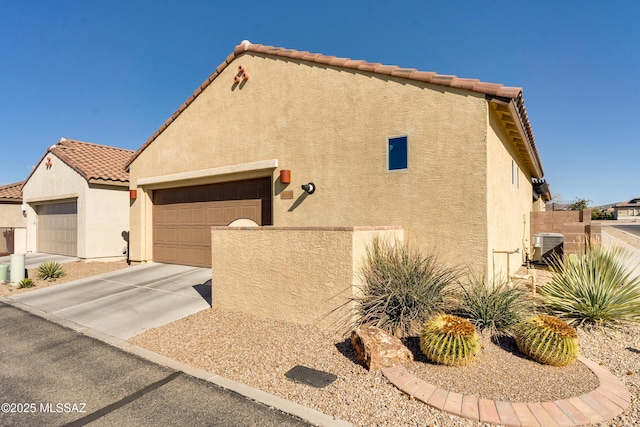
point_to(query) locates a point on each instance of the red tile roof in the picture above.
(11, 192)
(92, 161)
(489, 89)
(628, 204)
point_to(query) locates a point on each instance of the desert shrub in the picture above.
(597, 287)
(449, 340)
(401, 288)
(491, 305)
(26, 283)
(50, 270)
(547, 339)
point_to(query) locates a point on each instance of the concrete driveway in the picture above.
(124, 303)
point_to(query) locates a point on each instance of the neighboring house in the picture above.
(629, 210)
(541, 195)
(77, 201)
(449, 159)
(11, 216)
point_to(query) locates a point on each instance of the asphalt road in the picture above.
(629, 228)
(51, 375)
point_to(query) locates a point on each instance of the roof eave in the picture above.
(514, 125)
(489, 89)
(100, 181)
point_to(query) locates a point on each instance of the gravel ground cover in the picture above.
(73, 271)
(259, 352)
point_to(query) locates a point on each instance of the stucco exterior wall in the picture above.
(509, 204)
(102, 212)
(330, 127)
(47, 185)
(107, 221)
(11, 215)
(626, 213)
(302, 275)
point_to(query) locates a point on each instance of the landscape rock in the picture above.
(377, 349)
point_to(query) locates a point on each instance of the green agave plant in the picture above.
(548, 340)
(26, 283)
(50, 270)
(597, 287)
(449, 340)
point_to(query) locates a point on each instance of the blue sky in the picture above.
(111, 72)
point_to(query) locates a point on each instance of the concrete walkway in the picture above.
(125, 302)
(629, 242)
(607, 401)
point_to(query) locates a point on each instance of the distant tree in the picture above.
(578, 205)
(597, 213)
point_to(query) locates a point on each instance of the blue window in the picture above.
(398, 153)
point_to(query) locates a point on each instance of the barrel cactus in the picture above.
(547, 339)
(449, 340)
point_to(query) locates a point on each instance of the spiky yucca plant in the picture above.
(401, 288)
(491, 305)
(597, 287)
(50, 270)
(547, 339)
(26, 283)
(449, 340)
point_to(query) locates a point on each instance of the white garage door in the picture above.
(58, 228)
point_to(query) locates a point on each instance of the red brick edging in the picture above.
(607, 401)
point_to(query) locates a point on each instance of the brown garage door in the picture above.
(58, 228)
(183, 217)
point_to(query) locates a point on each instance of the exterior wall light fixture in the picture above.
(309, 188)
(285, 176)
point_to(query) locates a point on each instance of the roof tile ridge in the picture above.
(385, 69)
(12, 185)
(476, 85)
(69, 161)
(339, 62)
(325, 59)
(353, 63)
(368, 66)
(424, 76)
(403, 72)
(63, 143)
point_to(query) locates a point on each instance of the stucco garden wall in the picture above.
(575, 226)
(301, 275)
(330, 127)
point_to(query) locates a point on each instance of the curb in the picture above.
(610, 399)
(309, 415)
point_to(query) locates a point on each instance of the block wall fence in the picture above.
(575, 226)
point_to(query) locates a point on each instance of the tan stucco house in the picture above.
(449, 160)
(77, 201)
(628, 210)
(11, 216)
